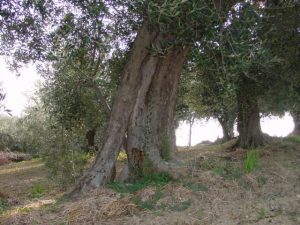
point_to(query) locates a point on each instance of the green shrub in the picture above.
(251, 162)
(64, 157)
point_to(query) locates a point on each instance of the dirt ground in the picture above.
(216, 191)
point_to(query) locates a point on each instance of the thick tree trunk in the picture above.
(151, 131)
(148, 88)
(295, 113)
(250, 134)
(227, 123)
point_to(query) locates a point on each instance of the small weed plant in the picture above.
(251, 162)
(262, 214)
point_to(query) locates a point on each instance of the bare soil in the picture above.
(215, 191)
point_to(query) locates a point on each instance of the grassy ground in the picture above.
(221, 187)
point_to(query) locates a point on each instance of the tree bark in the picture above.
(250, 134)
(227, 123)
(90, 137)
(295, 113)
(151, 131)
(148, 87)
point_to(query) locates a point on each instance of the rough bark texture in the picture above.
(151, 131)
(148, 87)
(227, 123)
(250, 134)
(295, 113)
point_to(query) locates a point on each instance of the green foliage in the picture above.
(65, 156)
(153, 179)
(251, 162)
(175, 18)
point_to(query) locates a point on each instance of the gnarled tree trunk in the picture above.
(227, 123)
(295, 113)
(250, 134)
(191, 121)
(151, 132)
(146, 98)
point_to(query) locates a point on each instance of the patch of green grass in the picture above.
(244, 184)
(219, 170)
(151, 203)
(293, 139)
(228, 170)
(251, 162)
(262, 214)
(152, 179)
(25, 209)
(276, 195)
(37, 191)
(209, 163)
(181, 206)
(233, 172)
(196, 187)
(261, 180)
(3, 205)
(143, 205)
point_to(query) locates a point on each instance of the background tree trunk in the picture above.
(227, 123)
(296, 118)
(250, 134)
(148, 87)
(191, 123)
(90, 137)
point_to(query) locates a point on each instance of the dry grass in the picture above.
(216, 191)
